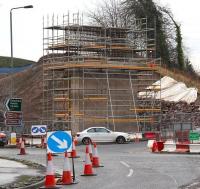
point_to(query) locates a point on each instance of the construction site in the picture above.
(92, 75)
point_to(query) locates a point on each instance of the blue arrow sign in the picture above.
(59, 141)
(38, 130)
(35, 129)
(43, 129)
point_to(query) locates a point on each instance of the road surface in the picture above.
(126, 166)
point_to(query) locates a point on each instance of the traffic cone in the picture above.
(22, 149)
(75, 140)
(67, 175)
(73, 154)
(154, 147)
(90, 151)
(50, 181)
(88, 171)
(20, 141)
(137, 139)
(95, 162)
(44, 142)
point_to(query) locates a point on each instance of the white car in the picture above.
(102, 134)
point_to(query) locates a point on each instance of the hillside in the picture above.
(28, 86)
(189, 79)
(17, 62)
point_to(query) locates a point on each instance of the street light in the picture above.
(11, 38)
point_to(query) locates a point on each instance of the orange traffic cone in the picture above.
(95, 162)
(73, 153)
(75, 140)
(22, 149)
(90, 151)
(137, 138)
(44, 142)
(155, 147)
(50, 177)
(88, 171)
(67, 175)
(20, 141)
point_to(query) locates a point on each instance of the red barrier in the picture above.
(150, 135)
(160, 145)
(182, 147)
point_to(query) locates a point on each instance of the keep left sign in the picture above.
(38, 130)
(59, 141)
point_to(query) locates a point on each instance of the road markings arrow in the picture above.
(62, 144)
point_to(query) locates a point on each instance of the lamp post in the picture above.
(11, 38)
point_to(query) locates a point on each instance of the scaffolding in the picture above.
(92, 75)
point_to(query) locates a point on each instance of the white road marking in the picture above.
(125, 164)
(130, 173)
(193, 184)
(128, 166)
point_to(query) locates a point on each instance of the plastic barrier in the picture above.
(194, 148)
(160, 145)
(150, 135)
(181, 147)
(169, 146)
(150, 144)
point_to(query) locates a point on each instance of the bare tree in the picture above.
(121, 13)
(109, 13)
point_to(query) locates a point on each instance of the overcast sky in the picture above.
(27, 24)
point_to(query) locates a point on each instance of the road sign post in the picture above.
(13, 118)
(59, 141)
(194, 135)
(38, 130)
(14, 104)
(13, 115)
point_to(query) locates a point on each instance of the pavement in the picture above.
(126, 166)
(11, 171)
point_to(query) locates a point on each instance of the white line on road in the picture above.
(130, 173)
(128, 166)
(125, 164)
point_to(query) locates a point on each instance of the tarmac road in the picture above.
(129, 166)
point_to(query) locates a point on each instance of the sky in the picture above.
(28, 24)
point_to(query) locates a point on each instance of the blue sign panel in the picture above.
(34, 129)
(59, 141)
(38, 130)
(43, 129)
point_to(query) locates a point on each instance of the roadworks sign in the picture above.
(37, 130)
(59, 141)
(194, 135)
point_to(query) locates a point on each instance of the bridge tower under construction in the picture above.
(100, 76)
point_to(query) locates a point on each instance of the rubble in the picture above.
(180, 112)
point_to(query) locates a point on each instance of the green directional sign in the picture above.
(14, 104)
(194, 135)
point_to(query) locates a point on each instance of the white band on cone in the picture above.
(66, 164)
(87, 159)
(50, 169)
(90, 148)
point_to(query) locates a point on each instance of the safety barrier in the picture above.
(194, 148)
(173, 147)
(160, 145)
(150, 144)
(150, 135)
(182, 147)
(169, 146)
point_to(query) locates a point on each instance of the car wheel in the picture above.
(120, 140)
(86, 140)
